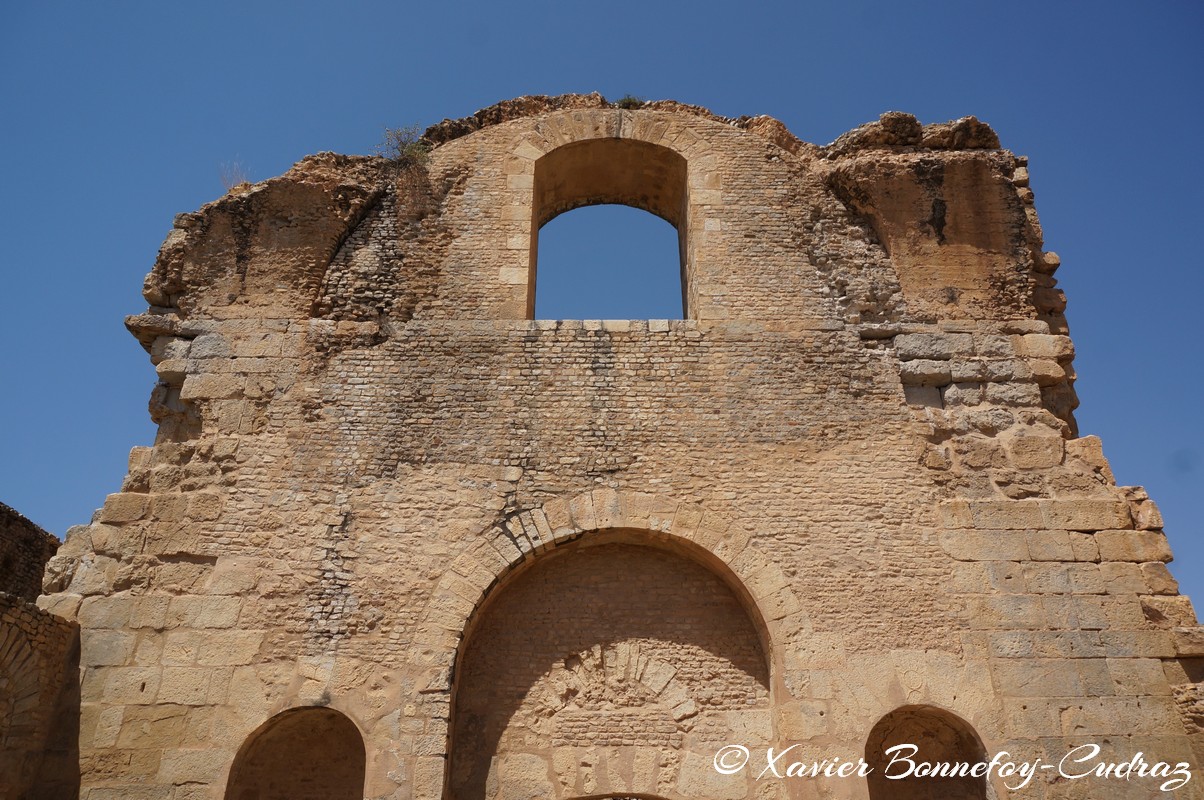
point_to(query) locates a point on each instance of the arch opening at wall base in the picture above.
(938, 738)
(313, 753)
(601, 670)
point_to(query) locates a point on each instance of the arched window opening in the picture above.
(591, 672)
(300, 753)
(941, 738)
(609, 262)
(625, 259)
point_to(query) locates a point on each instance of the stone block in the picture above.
(1046, 373)
(1084, 546)
(212, 387)
(100, 647)
(996, 545)
(204, 612)
(202, 766)
(1047, 578)
(1189, 641)
(1049, 546)
(963, 394)
(1035, 451)
(1138, 676)
(933, 346)
(1169, 612)
(130, 685)
(1137, 546)
(956, 514)
(1036, 678)
(1013, 393)
(209, 345)
(124, 507)
(1158, 578)
(105, 612)
(1139, 644)
(1044, 346)
(1008, 514)
(188, 686)
(1121, 577)
(1086, 515)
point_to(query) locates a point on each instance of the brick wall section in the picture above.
(24, 550)
(630, 649)
(863, 428)
(39, 703)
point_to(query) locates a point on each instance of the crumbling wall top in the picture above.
(894, 129)
(24, 550)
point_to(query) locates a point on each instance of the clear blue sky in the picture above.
(120, 115)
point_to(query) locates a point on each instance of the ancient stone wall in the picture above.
(842, 498)
(39, 656)
(24, 550)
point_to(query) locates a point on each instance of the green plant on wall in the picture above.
(405, 146)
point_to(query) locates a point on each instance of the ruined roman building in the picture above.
(398, 539)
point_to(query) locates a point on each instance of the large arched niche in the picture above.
(940, 736)
(603, 667)
(299, 754)
(610, 170)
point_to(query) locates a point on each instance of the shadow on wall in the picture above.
(39, 705)
(939, 737)
(300, 753)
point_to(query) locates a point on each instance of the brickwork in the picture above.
(39, 703)
(377, 483)
(613, 648)
(24, 550)
(38, 658)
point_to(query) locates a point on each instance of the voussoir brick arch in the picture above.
(703, 534)
(697, 532)
(655, 161)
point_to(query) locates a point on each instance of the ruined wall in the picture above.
(24, 550)
(377, 484)
(39, 656)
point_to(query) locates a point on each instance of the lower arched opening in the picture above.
(300, 754)
(608, 668)
(912, 736)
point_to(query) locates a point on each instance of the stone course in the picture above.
(843, 498)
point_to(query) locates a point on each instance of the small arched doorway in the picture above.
(300, 754)
(939, 738)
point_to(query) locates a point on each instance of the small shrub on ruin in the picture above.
(233, 174)
(405, 146)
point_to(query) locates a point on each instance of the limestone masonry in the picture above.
(397, 539)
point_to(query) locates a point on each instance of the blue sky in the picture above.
(119, 116)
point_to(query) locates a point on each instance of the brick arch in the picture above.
(21, 707)
(687, 528)
(468, 579)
